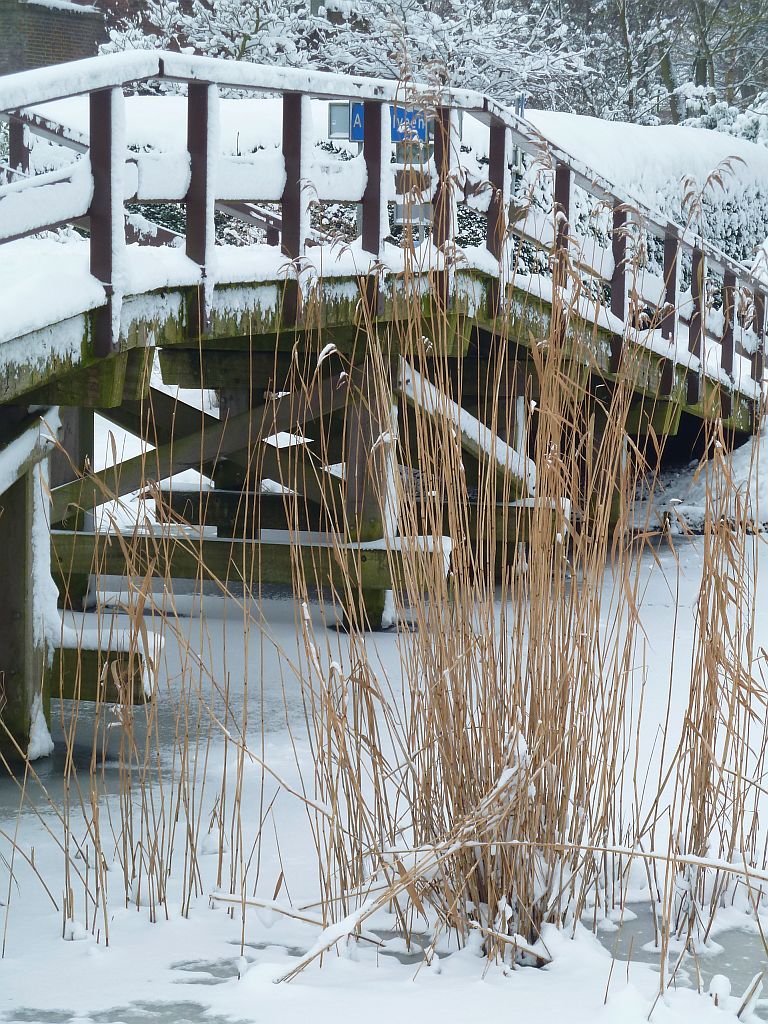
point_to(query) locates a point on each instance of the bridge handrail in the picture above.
(39, 85)
(104, 77)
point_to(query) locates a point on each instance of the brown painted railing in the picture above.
(99, 188)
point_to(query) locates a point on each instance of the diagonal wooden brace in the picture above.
(216, 439)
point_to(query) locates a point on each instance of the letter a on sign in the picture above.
(356, 123)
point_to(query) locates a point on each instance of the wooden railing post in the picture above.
(201, 195)
(373, 203)
(671, 264)
(726, 344)
(668, 321)
(442, 204)
(375, 217)
(729, 311)
(562, 208)
(295, 210)
(619, 279)
(619, 250)
(18, 150)
(562, 215)
(759, 327)
(496, 223)
(696, 327)
(107, 217)
(496, 218)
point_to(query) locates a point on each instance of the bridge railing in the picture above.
(104, 176)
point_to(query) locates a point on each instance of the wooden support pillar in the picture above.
(365, 466)
(107, 219)
(25, 591)
(67, 463)
(227, 474)
(370, 433)
(22, 652)
(696, 326)
(75, 451)
(614, 472)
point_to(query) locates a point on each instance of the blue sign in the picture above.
(405, 125)
(356, 115)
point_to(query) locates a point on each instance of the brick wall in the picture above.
(32, 35)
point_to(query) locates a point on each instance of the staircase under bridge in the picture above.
(317, 347)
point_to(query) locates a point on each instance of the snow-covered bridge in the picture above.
(91, 287)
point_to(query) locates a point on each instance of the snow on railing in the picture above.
(204, 179)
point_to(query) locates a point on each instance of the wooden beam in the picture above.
(99, 385)
(507, 523)
(301, 469)
(225, 561)
(103, 677)
(159, 418)
(562, 208)
(474, 437)
(18, 427)
(227, 369)
(661, 416)
(241, 513)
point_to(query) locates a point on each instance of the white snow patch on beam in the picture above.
(426, 396)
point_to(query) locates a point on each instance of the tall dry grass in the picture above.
(491, 779)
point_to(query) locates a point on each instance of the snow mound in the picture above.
(659, 165)
(646, 158)
(745, 469)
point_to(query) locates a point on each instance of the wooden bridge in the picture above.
(82, 316)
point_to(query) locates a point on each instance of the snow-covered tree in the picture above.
(633, 60)
(501, 46)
